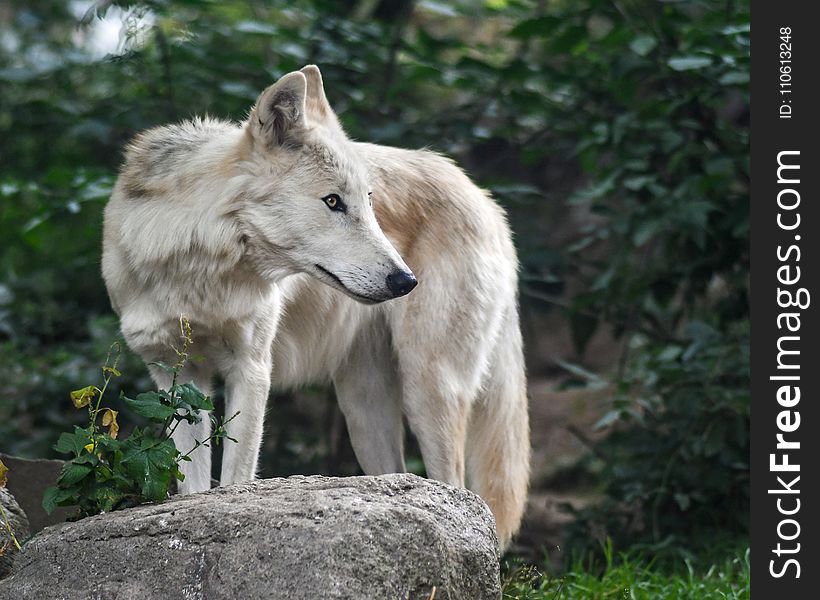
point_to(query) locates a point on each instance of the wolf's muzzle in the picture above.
(401, 283)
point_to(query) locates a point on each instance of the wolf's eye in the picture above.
(334, 202)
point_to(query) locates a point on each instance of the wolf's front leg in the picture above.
(246, 390)
(197, 471)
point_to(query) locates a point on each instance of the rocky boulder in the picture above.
(18, 522)
(28, 480)
(393, 536)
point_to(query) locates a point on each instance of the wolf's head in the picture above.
(310, 207)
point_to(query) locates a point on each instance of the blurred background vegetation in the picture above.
(614, 132)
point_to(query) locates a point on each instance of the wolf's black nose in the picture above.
(400, 283)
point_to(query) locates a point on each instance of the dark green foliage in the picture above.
(665, 257)
(676, 468)
(664, 141)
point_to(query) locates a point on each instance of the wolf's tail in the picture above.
(498, 440)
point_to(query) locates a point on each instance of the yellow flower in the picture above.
(109, 420)
(89, 447)
(83, 397)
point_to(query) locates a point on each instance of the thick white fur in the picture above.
(224, 224)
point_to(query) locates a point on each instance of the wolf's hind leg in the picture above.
(439, 422)
(442, 341)
(369, 394)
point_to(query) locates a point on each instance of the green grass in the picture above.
(631, 576)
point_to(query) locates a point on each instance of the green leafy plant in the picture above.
(108, 472)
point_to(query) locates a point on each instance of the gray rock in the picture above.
(28, 480)
(19, 526)
(387, 537)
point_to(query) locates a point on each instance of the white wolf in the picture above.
(279, 239)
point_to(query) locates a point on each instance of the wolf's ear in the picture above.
(278, 118)
(318, 107)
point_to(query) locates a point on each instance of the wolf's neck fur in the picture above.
(195, 166)
(197, 246)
